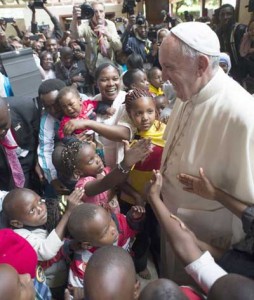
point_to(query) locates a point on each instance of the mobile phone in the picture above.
(8, 20)
(118, 20)
(34, 37)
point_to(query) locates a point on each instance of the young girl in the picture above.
(141, 109)
(155, 81)
(81, 161)
(73, 108)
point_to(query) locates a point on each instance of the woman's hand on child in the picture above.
(137, 212)
(139, 151)
(74, 198)
(73, 125)
(201, 185)
(154, 186)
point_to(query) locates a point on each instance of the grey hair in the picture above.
(186, 50)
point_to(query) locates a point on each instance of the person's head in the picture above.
(121, 57)
(37, 46)
(66, 56)
(92, 226)
(135, 78)
(69, 101)
(226, 16)
(225, 62)
(162, 289)
(17, 252)
(16, 45)
(80, 159)
(155, 77)
(135, 61)
(107, 77)
(15, 286)
(111, 264)
(5, 118)
(141, 30)
(161, 103)
(189, 57)
(51, 45)
(23, 207)
(141, 109)
(161, 34)
(46, 60)
(48, 92)
(251, 30)
(233, 287)
(99, 12)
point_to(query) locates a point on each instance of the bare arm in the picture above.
(115, 133)
(203, 187)
(182, 240)
(132, 155)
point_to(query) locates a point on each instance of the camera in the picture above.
(119, 20)
(140, 19)
(87, 11)
(36, 4)
(128, 7)
(8, 20)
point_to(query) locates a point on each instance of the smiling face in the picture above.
(102, 229)
(109, 83)
(142, 113)
(180, 70)
(88, 162)
(14, 285)
(70, 104)
(47, 61)
(30, 209)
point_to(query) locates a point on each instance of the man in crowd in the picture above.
(230, 35)
(211, 126)
(102, 40)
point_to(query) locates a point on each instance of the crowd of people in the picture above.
(134, 148)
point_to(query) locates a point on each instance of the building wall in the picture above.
(244, 15)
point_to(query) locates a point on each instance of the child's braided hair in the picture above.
(69, 156)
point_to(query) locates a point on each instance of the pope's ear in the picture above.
(203, 64)
(16, 224)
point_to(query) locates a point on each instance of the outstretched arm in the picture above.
(183, 241)
(115, 133)
(203, 187)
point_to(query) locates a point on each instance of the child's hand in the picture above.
(201, 186)
(74, 199)
(110, 111)
(154, 187)
(137, 212)
(72, 125)
(139, 151)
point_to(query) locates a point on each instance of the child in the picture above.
(81, 161)
(240, 259)
(28, 216)
(135, 78)
(93, 227)
(155, 79)
(163, 107)
(111, 264)
(141, 109)
(73, 108)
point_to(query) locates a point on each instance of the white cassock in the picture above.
(214, 130)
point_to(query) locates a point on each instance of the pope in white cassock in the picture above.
(211, 126)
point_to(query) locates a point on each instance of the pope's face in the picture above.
(180, 70)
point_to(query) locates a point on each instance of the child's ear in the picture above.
(136, 290)
(132, 86)
(16, 224)
(86, 245)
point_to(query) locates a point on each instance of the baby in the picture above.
(73, 108)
